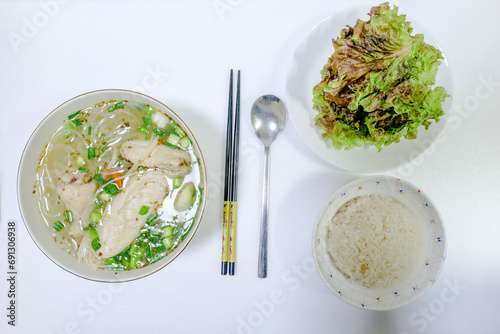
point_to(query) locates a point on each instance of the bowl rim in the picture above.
(334, 198)
(203, 178)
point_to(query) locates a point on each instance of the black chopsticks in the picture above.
(231, 181)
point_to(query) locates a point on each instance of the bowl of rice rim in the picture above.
(379, 243)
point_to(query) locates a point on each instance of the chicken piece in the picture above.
(142, 152)
(122, 222)
(77, 196)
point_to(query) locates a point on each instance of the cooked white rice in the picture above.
(375, 240)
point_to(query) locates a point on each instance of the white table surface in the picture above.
(180, 52)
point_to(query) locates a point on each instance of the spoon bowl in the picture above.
(268, 116)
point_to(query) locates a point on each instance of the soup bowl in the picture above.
(42, 231)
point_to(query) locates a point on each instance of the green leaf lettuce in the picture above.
(378, 85)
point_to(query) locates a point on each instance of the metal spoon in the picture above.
(268, 117)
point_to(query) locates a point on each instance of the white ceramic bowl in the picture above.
(28, 201)
(403, 292)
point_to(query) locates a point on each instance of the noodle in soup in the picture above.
(119, 185)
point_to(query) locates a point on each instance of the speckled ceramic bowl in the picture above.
(405, 291)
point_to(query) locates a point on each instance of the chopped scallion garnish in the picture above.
(58, 226)
(89, 133)
(116, 106)
(104, 148)
(93, 233)
(80, 160)
(147, 120)
(83, 169)
(159, 132)
(91, 153)
(170, 145)
(77, 122)
(70, 117)
(99, 178)
(144, 210)
(95, 216)
(104, 196)
(178, 181)
(153, 216)
(142, 129)
(96, 244)
(111, 188)
(68, 215)
(101, 137)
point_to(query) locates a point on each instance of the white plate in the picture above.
(304, 74)
(403, 292)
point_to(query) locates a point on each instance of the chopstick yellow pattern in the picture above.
(231, 182)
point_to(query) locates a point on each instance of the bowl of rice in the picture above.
(379, 243)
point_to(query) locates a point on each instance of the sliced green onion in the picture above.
(149, 111)
(104, 147)
(111, 188)
(99, 178)
(77, 122)
(83, 169)
(74, 115)
(140, 169)
(167, 242)
(167, 231)
(70, 126)
(58, 226)
(93, 233)
(132, 250)
(147, 120)
(89, 133)
(143, 129)
(116, 106)
(101, 137)
(173, 139)
(91, 153)
(159, 132)
(96, 244)
(178, 181)
(133, 262)
(68, 215)
(153, 216)
(80, 160)
(185, 142)
(95, 216)
(104, 196)
(170, 145)
(144, 210)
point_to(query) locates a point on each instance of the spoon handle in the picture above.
(262, 272)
